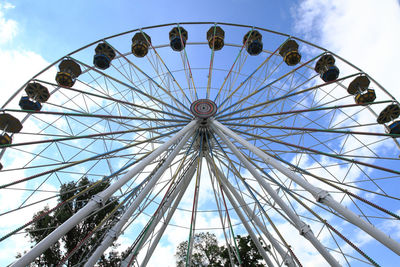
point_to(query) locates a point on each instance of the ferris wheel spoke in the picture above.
(332, 130)
(332, 175)
(96, 227)
(48, 211)
(251, 75)
(185, 62)
(84, 160)
(238, 56)
(313, 109)
(275, 106)
(193, 215)
(320, 144)
(223, 181)
(138, 130)
(139, 85)
(266, 86)
(115, 173)
(210, 68)
(169, 71)
(265, 103)
(124, 218)
(165, 90)
(127, 103)
(335, 156)
(140, 92)
(165, 78)
(91, 115)
(333, 182)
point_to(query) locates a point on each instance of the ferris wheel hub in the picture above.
(203, 108)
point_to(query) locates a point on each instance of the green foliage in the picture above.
(44, 226)
(206, 252)
(248, 252)
(207, 246)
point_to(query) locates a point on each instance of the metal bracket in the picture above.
(99, 200)
(112, 233)
(304, 229)
(321, 195)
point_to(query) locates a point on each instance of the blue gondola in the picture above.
(178, 38)
(394, 128)
(104, 55)
(27, 104)
(326, 68)
(253, 42)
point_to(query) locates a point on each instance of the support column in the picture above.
(98, 199)
(319, 194)
(242, 218)
(303, 228)
(115, 231)
(188, 177)
(228, 186)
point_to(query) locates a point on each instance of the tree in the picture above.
(45, 225)
(248, 252)
(206, 252)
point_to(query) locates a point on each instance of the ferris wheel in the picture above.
(208, 127)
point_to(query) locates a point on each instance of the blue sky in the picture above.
(36, 33)
(48, 27)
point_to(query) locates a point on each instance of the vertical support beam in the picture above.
(303, 228)
(115, 231)
(242, 218)
(194, 213)
(98, 199)
(319, 194)
(163, 207)
(226, 185)
(187, 179)
(235, 251)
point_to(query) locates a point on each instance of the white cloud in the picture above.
(8, 27)
(364, 32)
(17, 67)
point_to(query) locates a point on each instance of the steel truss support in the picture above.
(115, 231)
(226, 185)
(97, 201)
(319, 194)
(303, 228)
(234, 251)
(185, 183)
(194, 214)
(242, 218)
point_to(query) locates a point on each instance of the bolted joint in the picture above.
(99, 200)
(304, 229)
(321, 195)
(112, 233)
(287, 261)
